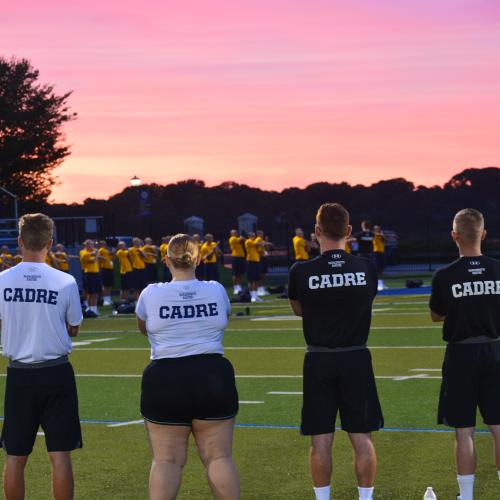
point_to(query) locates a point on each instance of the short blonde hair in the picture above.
(183, 251)
(469, 223)
(333, 219)
(36, 231)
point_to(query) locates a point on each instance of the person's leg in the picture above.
(62, 475)
(365, 463)
(320, 459)
(465, 453)
(169, 449)
(495, 431)
(13, 477)
(214, 439)
(365, 458)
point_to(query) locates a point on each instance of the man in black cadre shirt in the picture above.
(466, 296)
(334, 294)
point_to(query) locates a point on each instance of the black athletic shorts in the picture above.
(340, 382)
(108, 277)
(253, 271)
(126, 281)
(238, 266)
(139, 279)
(93, 283)
(177, 390)
(264, 265)
(379, 260)
(167, 275)
(471, 379)
(43, 397)
(211, 272)
(151, 272)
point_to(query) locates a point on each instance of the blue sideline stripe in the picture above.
(423, 290)
(296, 427)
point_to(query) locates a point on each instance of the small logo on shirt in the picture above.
(477, 270)
(32, 277)
(474, 263)
(336, 263)
(187, 295)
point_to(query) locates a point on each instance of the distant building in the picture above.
(247, 222)
(194, 225)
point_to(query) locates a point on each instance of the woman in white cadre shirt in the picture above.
(188, 386)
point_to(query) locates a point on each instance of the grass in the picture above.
(271, 455)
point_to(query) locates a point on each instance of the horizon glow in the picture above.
(272, 94)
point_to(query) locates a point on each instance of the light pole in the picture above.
(135, 181)
(14, 197)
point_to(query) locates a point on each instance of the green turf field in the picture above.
(266, 349)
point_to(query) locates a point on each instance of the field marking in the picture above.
(294, 329)
(296, 427)
(123, 424)
(286, 393)
(268, 348)
(425, 369)
(139, 375)
(88, 342)
(251, 402)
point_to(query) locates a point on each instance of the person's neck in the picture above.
(469, 250)
(178, 275)
(328, 245)
(37, 257)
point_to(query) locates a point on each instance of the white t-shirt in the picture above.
(184, 318)
(36, 302)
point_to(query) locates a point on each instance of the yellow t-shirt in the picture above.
(7, 259)
(252, 252)
(63, 256)
(163, 250)
(300, 248)
(237, 249)
(125, 264)
(135, 257)
(107, 261)
(378, 243)
(260, 248)
(150, 252)
(348, 247)
(17, 258)
(207, 248)
(88, 260)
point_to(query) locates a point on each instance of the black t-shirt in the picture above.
(365, 241)
(467, 293)
(336, 292)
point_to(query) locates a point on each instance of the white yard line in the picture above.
(425, 370)
(251, 402)
(91, 341)
(123, 424)
(286, 393)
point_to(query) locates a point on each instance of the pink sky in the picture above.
(273, 93)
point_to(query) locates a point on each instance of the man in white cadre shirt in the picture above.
(39, 311)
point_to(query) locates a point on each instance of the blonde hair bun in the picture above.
(183, 251)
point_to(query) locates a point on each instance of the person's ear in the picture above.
(20, 242)
(49, 244)
(349, 232)
(454, 236)
(483, 236)
(317, 231)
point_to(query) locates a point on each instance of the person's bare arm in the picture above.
(142, 326)
(73, 330)
(437, 317)
(296, 307)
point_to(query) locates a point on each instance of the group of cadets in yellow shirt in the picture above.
(300, 247)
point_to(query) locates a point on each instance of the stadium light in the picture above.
(135, 181)
(14, 197)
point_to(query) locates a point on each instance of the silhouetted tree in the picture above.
(31, 136)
